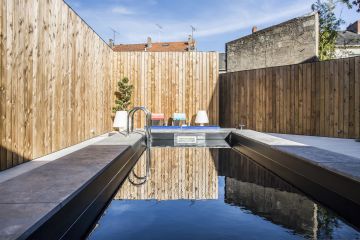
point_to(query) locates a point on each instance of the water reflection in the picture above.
(250, 186)
(192, 173)
(175, 173)
(254, 188)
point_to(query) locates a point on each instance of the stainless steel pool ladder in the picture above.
(130, 127)
(140, 180)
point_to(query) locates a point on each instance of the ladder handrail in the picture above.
(130, 128)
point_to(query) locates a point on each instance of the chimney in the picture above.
(111, 43)
(355, 27)
(191, 43)
(254, 29)
(148, 43)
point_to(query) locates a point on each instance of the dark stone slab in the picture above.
(16, 218)
(333, 161)
(31, 199)
(350, 168)
(330, 160)
(344, 146)
(329, 177)
(122, 139)
(56, 181)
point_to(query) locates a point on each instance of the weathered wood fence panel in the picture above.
(320, 99)
(55, 80)
(168, 82)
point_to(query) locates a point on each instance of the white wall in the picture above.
(345, 52)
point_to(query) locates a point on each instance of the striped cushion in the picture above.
(157, 116)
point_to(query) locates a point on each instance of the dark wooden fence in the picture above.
(321, 99)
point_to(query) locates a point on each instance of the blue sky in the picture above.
(216, 21)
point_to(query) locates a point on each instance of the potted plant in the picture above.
(122, 102)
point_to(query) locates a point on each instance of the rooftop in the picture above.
(351, 36)
(150, 46)
(348, 38)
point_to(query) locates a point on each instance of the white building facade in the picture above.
(348, 41)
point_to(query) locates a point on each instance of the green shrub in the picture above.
(123, 95)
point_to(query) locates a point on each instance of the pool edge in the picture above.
(67, 221)
(328, 187)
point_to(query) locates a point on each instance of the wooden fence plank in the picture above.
(320, 98)
(9, 83)
(341, 98)
(335, 93)
(46, 51)
(313, 114)
(346, 96)
(351, 124)
(326, 99)
(300, 100)
(176, 81)
(357, 97)
(3, 85)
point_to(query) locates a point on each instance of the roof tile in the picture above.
(155, 47)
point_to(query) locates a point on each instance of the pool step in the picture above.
(178, 133)
(205, 143)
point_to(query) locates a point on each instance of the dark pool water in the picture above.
(213, 194)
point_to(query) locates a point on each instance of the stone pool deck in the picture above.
(35, 201)
(330, 177)
(339, 155)
(343, 146)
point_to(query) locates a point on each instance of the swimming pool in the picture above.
(202, 193)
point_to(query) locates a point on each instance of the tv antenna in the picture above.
(160, 30)
(114, 34)
(193, 29)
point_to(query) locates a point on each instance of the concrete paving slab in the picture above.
(333, 160)
(121, 138)
(347, 147)
(349, 168)
(20, 217)
(30, 196)
(330, 160)
(318, 155)
(57, 180)
(267, 139)
(329, 177)
(25, 167)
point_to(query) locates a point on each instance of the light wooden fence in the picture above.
(58, 79)
(172, 81)
(55, 80)
(321, 99)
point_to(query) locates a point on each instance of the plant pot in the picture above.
(120, 120)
